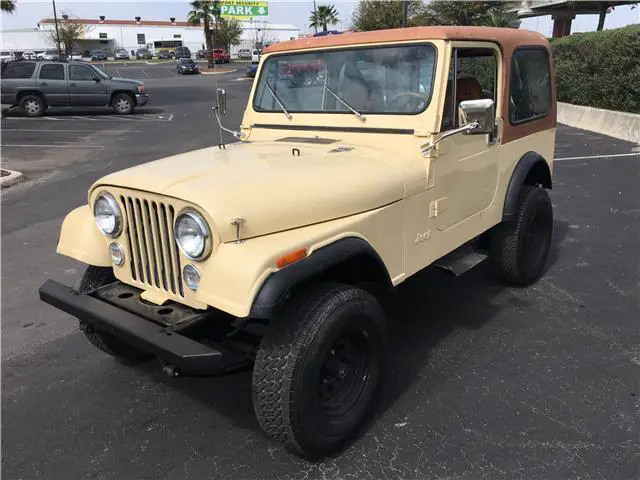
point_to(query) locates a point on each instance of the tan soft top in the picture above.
(507, 38)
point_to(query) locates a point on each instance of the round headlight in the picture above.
(193, 236)
(108, 215)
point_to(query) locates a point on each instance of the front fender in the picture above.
(81, 239)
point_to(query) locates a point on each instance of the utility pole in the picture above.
(405, 12)
(55, 19)
(315, 12)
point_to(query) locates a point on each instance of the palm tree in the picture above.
(205, 12)
(323, 16)
(7, 6)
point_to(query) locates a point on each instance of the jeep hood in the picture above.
(269, 185)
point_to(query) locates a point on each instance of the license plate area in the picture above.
(127, 297)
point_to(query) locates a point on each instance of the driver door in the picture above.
(86, 87)
(467, 166)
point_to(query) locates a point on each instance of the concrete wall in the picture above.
(622, 125)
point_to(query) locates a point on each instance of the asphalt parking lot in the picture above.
(484, 381)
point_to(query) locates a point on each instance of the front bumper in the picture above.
(142, 99)
(187, 355)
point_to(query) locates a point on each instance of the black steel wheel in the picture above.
(519, 249)
(93, 278)
(318, 369)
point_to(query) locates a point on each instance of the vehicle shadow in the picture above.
(78, 112)
(428, 309)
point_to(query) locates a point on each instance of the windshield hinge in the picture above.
(421, 132)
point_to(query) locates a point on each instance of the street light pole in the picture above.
(405, 12)
(55, 19)
(315, 12)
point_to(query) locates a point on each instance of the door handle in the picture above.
(44, 84)
(72, 84)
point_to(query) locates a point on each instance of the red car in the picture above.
(220, 55)
(302, 73)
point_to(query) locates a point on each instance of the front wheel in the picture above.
(123, 104)
(519, 249)
(318, 368)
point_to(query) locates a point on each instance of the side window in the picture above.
(475, 76)
(52, 71)
(18, 70)
(530, 85)
(80, 72)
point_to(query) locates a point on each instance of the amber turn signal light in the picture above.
(292, 257)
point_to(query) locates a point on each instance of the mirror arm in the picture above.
(427, 147)
(239, 135)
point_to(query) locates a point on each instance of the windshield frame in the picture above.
(423, 43)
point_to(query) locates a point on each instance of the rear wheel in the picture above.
(93, 278)
(123, 104)
(519, 249)
(318, 368)
(32, 106)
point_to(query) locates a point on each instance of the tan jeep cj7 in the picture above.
(363, 158)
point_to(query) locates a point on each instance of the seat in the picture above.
(468, 88)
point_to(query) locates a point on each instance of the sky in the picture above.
(296, 12)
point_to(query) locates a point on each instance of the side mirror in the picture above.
(481, 111)
(221, 98)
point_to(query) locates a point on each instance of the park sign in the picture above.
(243, 8)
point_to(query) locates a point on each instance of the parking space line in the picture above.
(51, 146)
(588, 157)
(118, 73)
(172, 73)
(148, 76)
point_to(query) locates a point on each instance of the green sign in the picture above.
(243, 8)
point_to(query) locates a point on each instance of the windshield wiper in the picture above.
(275, 97)
(341, 100)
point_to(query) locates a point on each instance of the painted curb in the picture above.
(218, 73)
(622, 125)
(11, 179)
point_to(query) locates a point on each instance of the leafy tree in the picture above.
(323, 16)
(8, 6)
(205, 13)
(504, 19)
(227, 33)
(441, 12)
(70, 30)
(383, 14)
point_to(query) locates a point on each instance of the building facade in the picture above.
(110, 35)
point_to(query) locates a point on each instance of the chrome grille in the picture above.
(154, 256)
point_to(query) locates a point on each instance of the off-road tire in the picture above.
(93, 278)
(123, 104)
(32, 106)
(519, 248)
(293, 357)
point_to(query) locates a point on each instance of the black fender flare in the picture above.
(530, 163)
(277, 288)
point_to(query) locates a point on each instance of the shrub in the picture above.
(599, 69)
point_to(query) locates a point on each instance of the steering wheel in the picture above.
(408, 94)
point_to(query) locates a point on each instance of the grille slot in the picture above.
(154, 258)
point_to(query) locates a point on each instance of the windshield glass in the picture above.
(396, 79)
(186, 60)
(99, 72)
